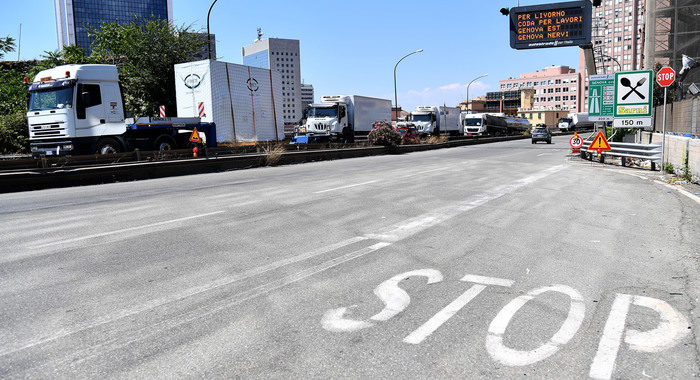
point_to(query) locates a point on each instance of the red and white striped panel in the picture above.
(162, 111)
(201, 110)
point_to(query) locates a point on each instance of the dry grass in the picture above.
(273, 154)
(434, 140)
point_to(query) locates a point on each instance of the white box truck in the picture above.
(244, 102)
(342, 117)
(78, 109)
(434, 120)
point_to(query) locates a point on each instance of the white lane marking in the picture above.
(202, 311)
(544, 154)
(442, 316)
(345, 187)
(488, 280)
(116, 232)
(680, 190)
(628, 173)
(604, 359)
(431, 171)
(394, 298)
(672, 327)
(511, 357)
(425, 221)
(129, 312)
(689, 195)
(182, 295)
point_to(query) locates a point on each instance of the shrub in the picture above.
(14, 134)
(383, 133)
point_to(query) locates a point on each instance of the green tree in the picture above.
(7, 45)
(145, 54)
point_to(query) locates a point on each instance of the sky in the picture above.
(350, 47)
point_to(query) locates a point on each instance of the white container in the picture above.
(244, 102)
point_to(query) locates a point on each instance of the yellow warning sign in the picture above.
(195, 136)
(600, 143)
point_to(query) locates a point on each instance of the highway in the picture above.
(491, 261)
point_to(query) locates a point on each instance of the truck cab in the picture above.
(330, 118)
(474, 124)
(564, 123)
(75, 106)
(426, 120)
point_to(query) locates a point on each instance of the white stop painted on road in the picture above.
(508, 356)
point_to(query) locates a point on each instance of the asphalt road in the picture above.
(502, 260)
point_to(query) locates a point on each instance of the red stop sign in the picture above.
(665, 77)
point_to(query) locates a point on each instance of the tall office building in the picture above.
(307, 95)
(281, 55)
(74, 17)
(617, 38)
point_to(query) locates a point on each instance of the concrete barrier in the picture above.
(37, 179)
(681, 152)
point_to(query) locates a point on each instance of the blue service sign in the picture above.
(551, 25)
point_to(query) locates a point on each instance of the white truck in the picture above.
(580, 121)
(244, 102)
(434, 120)
(342, 117)
(79, 109)
(565, 123)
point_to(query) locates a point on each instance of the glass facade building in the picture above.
(75, 17)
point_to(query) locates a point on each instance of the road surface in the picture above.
(500, 260)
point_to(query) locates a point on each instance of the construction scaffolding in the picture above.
(673, 29)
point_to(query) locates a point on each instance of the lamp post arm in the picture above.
(208, 32)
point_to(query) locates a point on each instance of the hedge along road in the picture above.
(489, 261)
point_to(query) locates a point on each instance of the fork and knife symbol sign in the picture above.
(627, 83)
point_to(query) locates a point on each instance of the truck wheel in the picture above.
(108, 146)
(164, 143)
(348, 137)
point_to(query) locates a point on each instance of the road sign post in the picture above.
(576, 142)
(665, 77)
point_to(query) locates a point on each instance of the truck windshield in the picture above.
(51, 99)
(323, 112)
(565, 120)
(475, 122)
(420, 118)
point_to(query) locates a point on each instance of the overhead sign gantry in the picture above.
(551, 25)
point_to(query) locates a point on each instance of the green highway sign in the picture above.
(634, 93)
(601, 97)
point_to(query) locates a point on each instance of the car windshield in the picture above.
(420, 118)
(323, 111)
(51, 99)
(476, 122)
(541, 130)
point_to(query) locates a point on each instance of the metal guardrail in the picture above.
(650, 152)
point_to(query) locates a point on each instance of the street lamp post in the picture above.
(619, 66)
(470, 83)
(208, 33)
(396, 96)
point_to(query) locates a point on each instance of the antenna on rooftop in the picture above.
(260, 34)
